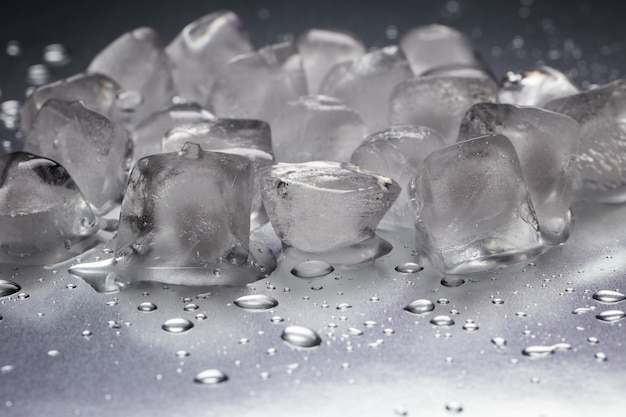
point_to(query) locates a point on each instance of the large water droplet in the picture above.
(611, 316)
(312, 269)
(300, 336)
(147, 306)
(409, 268)
(177, 325)
(256, 302)
(442, 321)
(609, 297)
(210, 377)
(8, 288)
(544, 351)
(420, 306)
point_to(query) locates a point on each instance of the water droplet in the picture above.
(454, 407)
(23, 296)
(443, 301)
(8, 288)
(442, 321)
(355, 332)
(343, 306)
(601, 357)
(409, 268)
(301, 337)
(113, 324)
(56, 54)
(70, 286)
(87, 333)
(499, 342)
(38, 74)
(191, 307)
(535, 380)
(544, 351)
(182, 353)
(609, 297)
(53, 353)
(375, 299)
(611, 316)
(452, 281)
(6, 369)
(147, 306)
(210, 377)
(582, 310)
(112, 303)
(317, 287)
(177, 325)
(497, 301)
(470, 326)
(388, 331)
(593, 340)
(277, 319)
(14, 48)
(201, 316)
(521, 314)
(312, 269)
(256, 302)
(420, 306)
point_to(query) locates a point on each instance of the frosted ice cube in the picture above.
(148, 135)
(439, 102)
(398, 153)
(321, 206)
(93, 149)
(473, 209)
(317, 128)
(432, 46)
(602, 156)
(137, 61)
(259, 84)
(42, 212)
(546, 144)
(365, 84)
(536, 87)
(97, 92)
(202, 49)
(322, 49)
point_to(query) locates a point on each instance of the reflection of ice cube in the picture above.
(473, 209)
(439, 102)
(202, 49)
(322, 49)
(138, 62)
(535, 88)
(317, 128)
(321, 206)
(365, 84)
(546, 144)
(602, 156)
(398, 153)
(93, 149)
(42, 212)
(259, 84)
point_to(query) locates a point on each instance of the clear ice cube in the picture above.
(535, 88)
(601, 162)
(322, 49)
(93, 149)
(365, 84)
(137, 61)
(439, 102)
(259, 84)
(201, 50)
(473, 208)
(398, 153)
(431, 46)
(546, 144)
(148, 135)
(97, 92)
(42, 212)
(321, 206)
(317, 128)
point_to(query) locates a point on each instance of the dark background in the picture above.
(586, 39)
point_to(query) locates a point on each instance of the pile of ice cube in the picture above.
(319, 137)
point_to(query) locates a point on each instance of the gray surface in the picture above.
(133, 371)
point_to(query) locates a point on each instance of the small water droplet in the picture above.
(53, 353)
(420, 306)
(14, 48)
(454, 407)
(112, 303)
(191, 307)
(544, 351)
(409, 268)
(277, 319)
(593, 340)
(343, 306)
(256, 302)
(70, 286)
(601, 357)
(611, 316)
(87, 333)
(6, 369)
(8, 288)
(317, 287)
(210, 377)
(388, 331)
(497, 301)
(113, 324)
(182, 353)
(312, 269)
(499, 342)
(443, 301)
(201, 316)
(301, 337)
(56, 54)
(38, 75)
(23, 296)
(177, 325)
(442, 321)
(535, 380)
(609, 297)
(582, 310)
(355, 332)
(470, 326)
(452, 281)
(147, 307)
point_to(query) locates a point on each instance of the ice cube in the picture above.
(97, 92)
(137, 61)
(317, 128)
(473, 209)
(42, 212)
(147, 136)
(546, 144)
(602, 157)
(398, 153)
(365, 84)
(259, 84)
(439, 102)
(93, 149)
(202, 49)
(321, 206)
(432, 46)
(249, 138)
(536, 87)
(322, 49)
